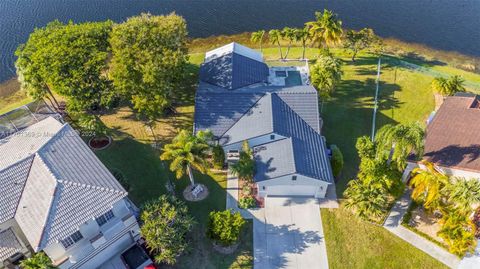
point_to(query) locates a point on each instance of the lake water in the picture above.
(443, 24)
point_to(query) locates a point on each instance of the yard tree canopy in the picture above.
(70, 60)
(38, 261)
(356, 41)
(149, 60)
(224, 227)
(166, 222)
(326, 74)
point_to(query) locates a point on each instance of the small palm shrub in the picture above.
(247, 202)
(218, 157)
(224, 227)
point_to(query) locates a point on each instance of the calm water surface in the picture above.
(443, 24)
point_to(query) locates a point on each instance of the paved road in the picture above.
(288, 233)
(393, 224)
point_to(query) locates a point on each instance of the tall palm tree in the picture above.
(187, 151)
(427, 185)
(463, 194)
(38, 261)
(448, 87)
(274, 36)
(245, 167)
(302, 35)
(289, 35)
(326, 74)
(257, 37)
(326, 29)
(398, 141)
(366, 199)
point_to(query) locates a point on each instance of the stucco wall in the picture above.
(254, 142)
(320, 186)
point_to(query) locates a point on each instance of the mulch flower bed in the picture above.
(98, 143)
(476, 221)
(188, 195)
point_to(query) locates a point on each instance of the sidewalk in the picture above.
(393, 224)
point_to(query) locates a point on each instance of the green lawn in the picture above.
(352, 243)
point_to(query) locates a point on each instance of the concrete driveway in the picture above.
(288, 233)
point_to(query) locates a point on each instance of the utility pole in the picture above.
(375, 107)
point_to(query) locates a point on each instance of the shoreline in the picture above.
(396, 47)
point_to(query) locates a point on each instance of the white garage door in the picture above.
(291, 190)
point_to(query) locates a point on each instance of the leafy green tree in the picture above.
(149, 58)
(463, 194)
(257, 37)
(247, 202)
(186, 151)
(336, 161)
(218, 156)
(367, 199)
(224, 227)
(274, 36)
(365, 148)
(302, 35)
(69, 60)
(448, 87)
(326, 74)
(356, 41)
(289, 35)
(326, 29)
(402, 139)
(427, 185)
(166, 223)
(244, 168)
(458, 231)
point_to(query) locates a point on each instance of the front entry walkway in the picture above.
(290, 235)
(393, 224)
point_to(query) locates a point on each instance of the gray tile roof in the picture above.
(9, 244)
(217, 112)
(12, 181)
(232, 71)
(274, 159)
(64, 184)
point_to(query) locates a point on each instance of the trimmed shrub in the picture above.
(224, 227)
(336, 161)
(247, 202)
(218, 157)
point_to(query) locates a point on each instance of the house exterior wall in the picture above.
(99, 242)
(253, 142)
(319, 187)
(454, 172)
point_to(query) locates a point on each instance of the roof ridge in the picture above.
(89, 186)
(17, 162)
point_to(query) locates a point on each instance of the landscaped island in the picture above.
(126, 88)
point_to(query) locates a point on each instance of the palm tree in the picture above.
(366, 199)
(187, 151)
(274, 36)
(38, 261)
(289, 35)
(448, 87)
(326, 29)
(403, 139)
(257, 37)
(463, 194)
(427, 185)
(245, 167)
(302, 35)
(326, 74)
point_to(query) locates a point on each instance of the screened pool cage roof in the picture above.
(24, 116)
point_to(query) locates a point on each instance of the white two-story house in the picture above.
(57, 197)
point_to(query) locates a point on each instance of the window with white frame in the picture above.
(105, 218)
(72, 239)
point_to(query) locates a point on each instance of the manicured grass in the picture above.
(352, 243)
(133, 155)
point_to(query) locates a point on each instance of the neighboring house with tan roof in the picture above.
(57, 197)
(452, 140)
(240, 98)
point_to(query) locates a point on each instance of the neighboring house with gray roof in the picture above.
(280, 122)
(57, 197)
